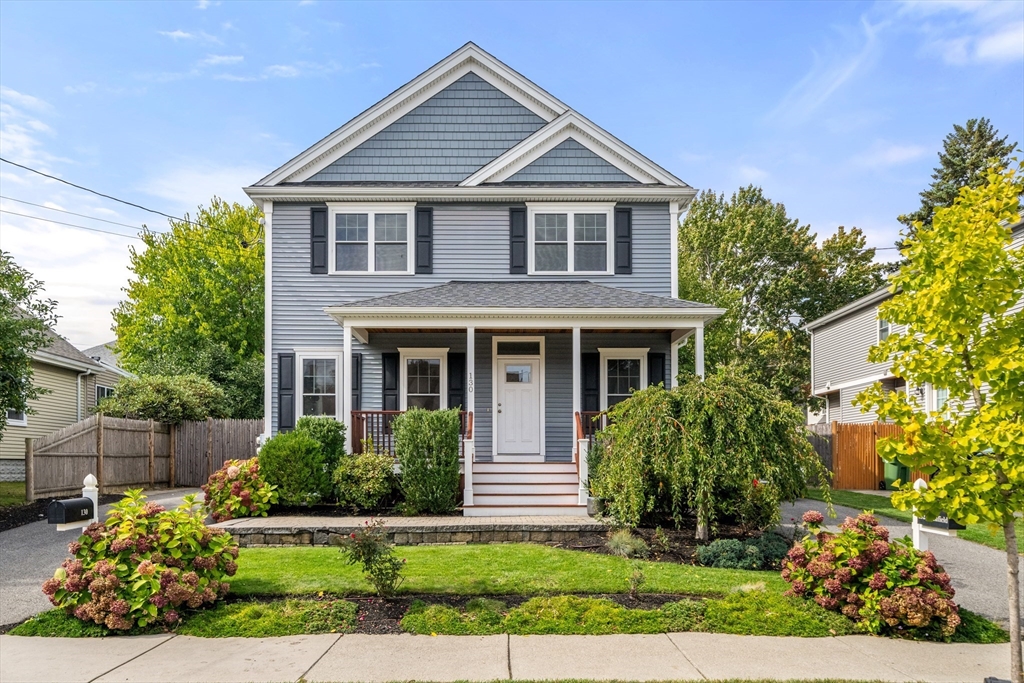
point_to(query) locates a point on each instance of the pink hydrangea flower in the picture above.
(233, 471)
(813, 517)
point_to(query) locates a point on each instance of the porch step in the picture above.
(480, 478)
(524, 467)
(524, 510)
(524, 499)
(532, 488)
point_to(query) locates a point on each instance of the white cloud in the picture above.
(826, 76)
(883, 155)
(20, 130)
(1004, 46)
(963, 33)
(191, 184)
(281, 71)
(748, 173)
(80, 88)
(20, 99)
(205, 4)
(178, 34)
(220, 60)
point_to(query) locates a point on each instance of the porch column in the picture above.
(346, 385)
(467, 493)
(698, 351)
(674, 365)
(580, 446)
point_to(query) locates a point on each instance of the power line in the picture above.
(71, 225)
(80, 215)
(100, 194)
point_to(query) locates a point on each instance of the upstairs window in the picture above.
(883, 329)
(566, 239)
(371, 239)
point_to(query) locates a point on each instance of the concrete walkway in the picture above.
(978, 572)
(674, 656)
(30, 553)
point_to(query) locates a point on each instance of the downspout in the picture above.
(78, 393)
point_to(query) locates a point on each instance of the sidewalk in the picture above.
(675, 656)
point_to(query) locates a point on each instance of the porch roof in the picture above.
(549, 301)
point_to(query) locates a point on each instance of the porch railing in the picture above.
(377, 425)
(591, 422)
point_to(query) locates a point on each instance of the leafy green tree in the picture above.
(195, 303)
(24, 321)
(964, 161)
(745, 254)
(956, 294)
(173, 399)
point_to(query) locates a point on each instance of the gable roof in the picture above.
(105, 355)
(495, 143)
(61, 353)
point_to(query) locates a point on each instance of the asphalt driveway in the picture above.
(30, 553)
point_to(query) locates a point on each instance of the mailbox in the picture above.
(71, 511)
(943, 522)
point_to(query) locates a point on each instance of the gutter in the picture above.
(78, 392)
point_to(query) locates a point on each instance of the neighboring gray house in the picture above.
(839, 356)
(471, 241)
(103, 384)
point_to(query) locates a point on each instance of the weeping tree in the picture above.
(724, 446)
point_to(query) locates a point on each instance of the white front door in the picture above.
(518, 406)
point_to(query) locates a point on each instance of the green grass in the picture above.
(12, 493)
(978, 533)
(509, 569)
(756, 612)
(238, 619)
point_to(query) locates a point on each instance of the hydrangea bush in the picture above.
(886, 586)
(144, 566)
(238, 490)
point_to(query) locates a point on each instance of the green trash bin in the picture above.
(894, 471)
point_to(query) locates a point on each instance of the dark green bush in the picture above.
(364, 481)
(172, 399)
(427, 445)
(294, 462)
(764, 552)
(329, 433)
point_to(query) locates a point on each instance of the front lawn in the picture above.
(505, 569)
(978, 533)
(12, 493)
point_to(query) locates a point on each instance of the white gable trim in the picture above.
(469, 58)
(594, 138)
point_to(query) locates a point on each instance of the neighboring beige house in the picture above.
(74, 382)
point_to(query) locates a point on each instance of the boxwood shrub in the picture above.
(427, 446)
(294, 462)
(143, 566)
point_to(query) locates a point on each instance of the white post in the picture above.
(698, 351)
(673, 216)
(346, 385)
(268, 327)
(582, 445)
(91, 490)
(674, 365)
(916, 528)
(467, 492)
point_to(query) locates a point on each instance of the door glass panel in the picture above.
(517, 374)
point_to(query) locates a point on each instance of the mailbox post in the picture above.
(941, 526)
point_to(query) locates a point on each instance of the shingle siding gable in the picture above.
(446, 138)
(570, 161)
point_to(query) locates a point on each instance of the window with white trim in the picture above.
(424, 380)
(103, 392)
(17, 418)
(941, 399)
(372, 239)
(883, 329)
(319, 386)
(623, 371)
(570, 239)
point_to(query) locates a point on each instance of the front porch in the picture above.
(529, 379)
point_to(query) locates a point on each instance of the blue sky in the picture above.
(837, 109)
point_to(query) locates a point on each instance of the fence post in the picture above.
(172, 448)
(209, 447)
(30, 475)
(99, 451)
(152, 456)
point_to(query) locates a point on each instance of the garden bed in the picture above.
(667, 545)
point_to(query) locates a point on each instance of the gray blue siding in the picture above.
(570, 162)
(447, 138)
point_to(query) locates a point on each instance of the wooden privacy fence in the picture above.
(125, 454)
(850, 451)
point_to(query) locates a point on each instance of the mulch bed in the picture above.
(384, 615)
(681, 546)
(13, 516)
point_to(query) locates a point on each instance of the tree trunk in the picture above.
(1013, 592)
(702, 531)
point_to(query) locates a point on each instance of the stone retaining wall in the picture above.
(274, 537)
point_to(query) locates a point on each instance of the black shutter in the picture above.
(285, 392)
(591, 389)
(318, 240)
(623, 241)
(656, 369)
(357, 381)
(424, 241)
(391, 376)
(517, 241)
(456, 380)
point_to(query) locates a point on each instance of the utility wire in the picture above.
(80, 215)
(72, 225)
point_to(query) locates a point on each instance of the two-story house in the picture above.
(472, 241)
(840, 368)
